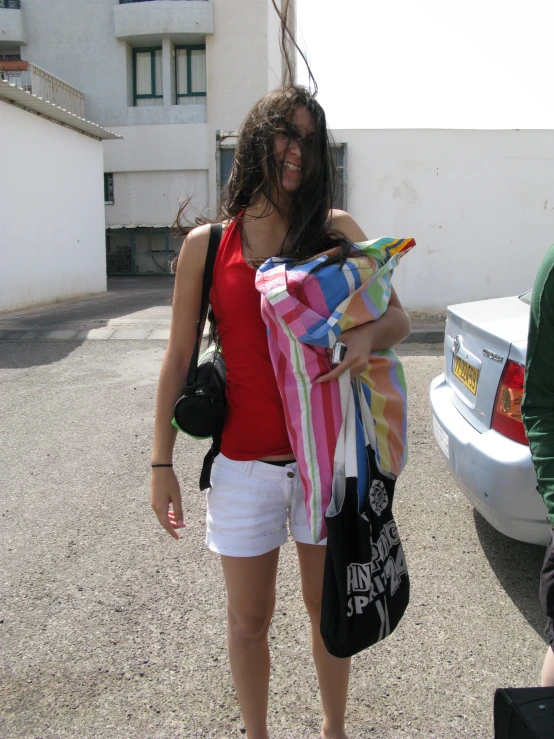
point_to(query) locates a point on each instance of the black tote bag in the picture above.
(366, 587)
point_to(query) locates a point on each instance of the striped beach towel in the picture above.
(305, 312)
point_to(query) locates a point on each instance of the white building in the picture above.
(175, 77)
(480, 205)
(52, 219)
(167, 75)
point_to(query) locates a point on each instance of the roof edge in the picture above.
(34, 104)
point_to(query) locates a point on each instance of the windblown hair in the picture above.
(256, 173)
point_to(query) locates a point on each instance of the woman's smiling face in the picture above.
(288, 147)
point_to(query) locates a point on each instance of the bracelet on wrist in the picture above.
(161, 465)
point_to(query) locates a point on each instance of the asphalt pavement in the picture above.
(137, 308)
(110, 629)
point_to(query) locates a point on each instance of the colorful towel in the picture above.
(305, 312)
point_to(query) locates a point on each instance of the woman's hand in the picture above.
(358, 348)
(164, 493)
(384, 333)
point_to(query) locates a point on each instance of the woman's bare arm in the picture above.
(186, 306)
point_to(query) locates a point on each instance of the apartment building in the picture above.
(175, 78)
(172, 77)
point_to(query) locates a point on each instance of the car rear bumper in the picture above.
(495, 473)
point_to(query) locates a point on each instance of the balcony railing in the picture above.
(11, 4)
(44, 85)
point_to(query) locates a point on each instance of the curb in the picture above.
(416, 336)
(425, 336)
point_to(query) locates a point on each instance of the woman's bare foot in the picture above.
(327, 734)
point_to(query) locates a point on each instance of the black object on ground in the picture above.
(524, 713)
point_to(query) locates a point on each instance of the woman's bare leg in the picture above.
(250, 585)
(332, 672)
(547, 677)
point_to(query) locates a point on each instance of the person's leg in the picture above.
(250, 583)
(546, 596)
(332, 672)
(547, 675)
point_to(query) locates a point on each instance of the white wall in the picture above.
(480, 205)
(88, 55)
(135, 22)
(152, 198)
(158, 147)
(52, 241)
(12, 28)
(85, 52)
(274, 56)
(155, 166)
(243, 63)
(238, 55)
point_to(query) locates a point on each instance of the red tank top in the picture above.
(255, 422)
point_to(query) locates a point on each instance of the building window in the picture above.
(225, 155)
(339, 157)
(190, 74)
(108, 188)
(147, 76)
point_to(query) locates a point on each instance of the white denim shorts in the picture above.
(249, 504)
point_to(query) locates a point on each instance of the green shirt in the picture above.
(538, 399)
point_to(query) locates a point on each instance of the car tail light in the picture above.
(506, 417)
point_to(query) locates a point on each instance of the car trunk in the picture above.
(477, 342)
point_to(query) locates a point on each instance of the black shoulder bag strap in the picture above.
(216, 231)
(215, 237)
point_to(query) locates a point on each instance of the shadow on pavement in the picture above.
(124, 296)
(517, 567)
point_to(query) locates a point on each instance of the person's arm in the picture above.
(165, 491)
(538, 400)
(385, 332)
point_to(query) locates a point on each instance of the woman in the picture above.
(277, 203)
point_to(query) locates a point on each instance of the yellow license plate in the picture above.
(467, 374)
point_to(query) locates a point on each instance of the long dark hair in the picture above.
(256, 172)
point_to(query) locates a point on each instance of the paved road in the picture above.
(136, 308)
(133, 308)
(110, 629)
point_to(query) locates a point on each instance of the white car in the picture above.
(476, 415)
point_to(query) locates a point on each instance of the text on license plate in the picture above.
(467, 374)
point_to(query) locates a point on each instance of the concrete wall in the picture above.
(155, 166)
(243, 63)
(238, 56)
(274, 56)
(480, 205)
(87, 54)
(12, 28)
(158, 147)
(52, 241)
(136, 21)
(152, 198)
